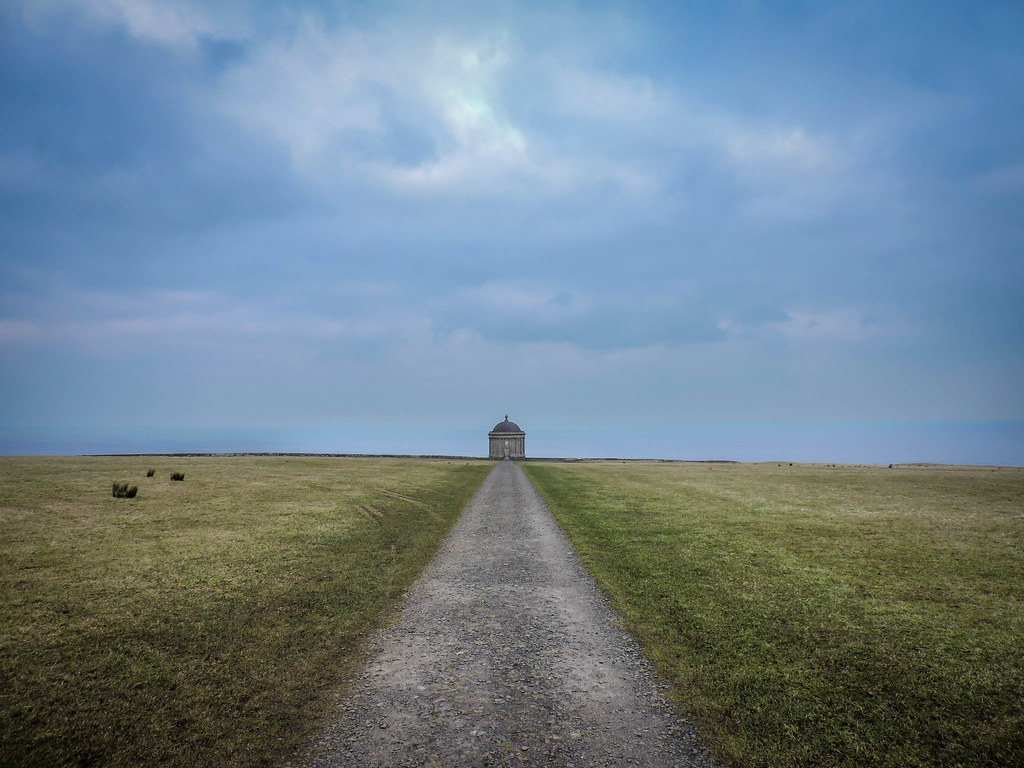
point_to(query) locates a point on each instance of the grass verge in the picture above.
(811, 616)
(202, 623)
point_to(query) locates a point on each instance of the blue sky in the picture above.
(686, 230)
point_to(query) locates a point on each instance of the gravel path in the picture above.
(505, 655)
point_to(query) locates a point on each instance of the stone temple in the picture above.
(507, 441)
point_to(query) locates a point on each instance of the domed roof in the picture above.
(506, 426)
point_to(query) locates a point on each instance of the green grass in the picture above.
(812, 616)
(211, 622)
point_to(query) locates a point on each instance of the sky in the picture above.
(692, 230)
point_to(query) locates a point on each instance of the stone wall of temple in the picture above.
(516, 442)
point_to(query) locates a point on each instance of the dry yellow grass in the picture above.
(208, 621)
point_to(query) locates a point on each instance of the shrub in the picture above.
(151, 473)
(124, 491)
(177, 476)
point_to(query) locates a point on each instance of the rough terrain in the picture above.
(504, 655)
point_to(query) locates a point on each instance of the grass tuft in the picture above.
(124, 491)
(150, 473)
(177, 476)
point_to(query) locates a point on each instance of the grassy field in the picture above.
(818, 616)
(205, 622)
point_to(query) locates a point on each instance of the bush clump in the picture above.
(177, 476)
(125, 491)
(151, 473)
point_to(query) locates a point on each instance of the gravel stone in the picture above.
(506, 654)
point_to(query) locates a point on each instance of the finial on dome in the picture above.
(506, 417)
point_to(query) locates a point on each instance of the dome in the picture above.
(506, 426)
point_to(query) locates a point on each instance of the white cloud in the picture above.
(337, 101)
(309, 93)
(418, 111)
(531, 111)
(511, 300)
(776, 151)
(104, 323)
(609, 97)
(800, 326)
(169, 23)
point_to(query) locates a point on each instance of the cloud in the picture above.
(609, 97)
(420, 111)
(402, 108)
(363, 321)
(311, 95)
(376, 321)
(355, 322)
(807, 328)
(778, 152)
(627, 318)
(171, 24)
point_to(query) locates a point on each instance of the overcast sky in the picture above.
(754, 230)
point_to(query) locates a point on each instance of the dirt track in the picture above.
(505, 654)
